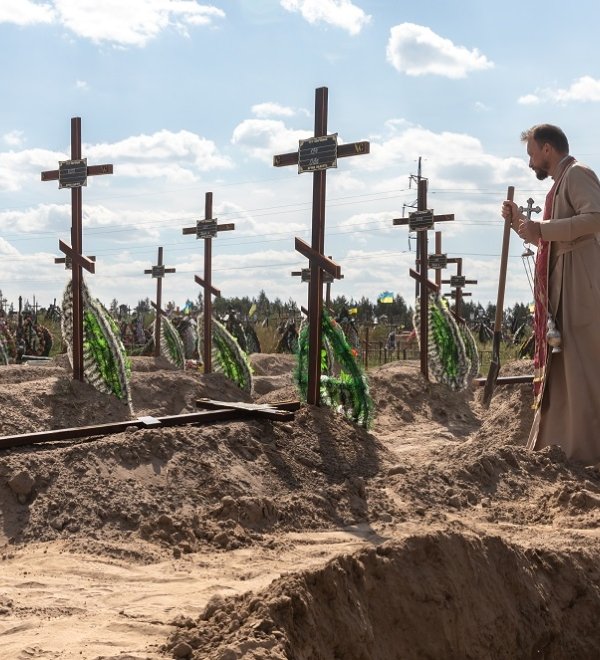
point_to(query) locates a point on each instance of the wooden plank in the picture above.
(506, 380)
(265, 411)
(99, 430)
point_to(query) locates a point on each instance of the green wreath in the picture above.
(348, 392)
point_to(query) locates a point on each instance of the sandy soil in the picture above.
(434, 535)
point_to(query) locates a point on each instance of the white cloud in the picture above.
(416, 50)
(270, 109)
(131, 23)
(82, 85)
(529, 99)
(19, 168)
(25, 12)
(13, 138)
(263, 138)
(339, 13)
(175, 157)
(164, 154)
(582, 90)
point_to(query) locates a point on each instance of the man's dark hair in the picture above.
(547, 134)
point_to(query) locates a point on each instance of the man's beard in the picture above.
(541, 172)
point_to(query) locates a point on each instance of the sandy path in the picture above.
(68, 606)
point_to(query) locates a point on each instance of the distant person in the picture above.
(567, 298)
(390, 344)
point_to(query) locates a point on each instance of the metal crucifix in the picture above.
(207, 229)
(158, 272)
(421, 221)
(73, 174)
(317, 155)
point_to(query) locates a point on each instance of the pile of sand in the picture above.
(465, 543)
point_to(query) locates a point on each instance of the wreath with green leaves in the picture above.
(348, 391)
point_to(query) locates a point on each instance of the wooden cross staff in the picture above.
(421, 221)
(158, 272)
(73, 174)
(207, 229)
(317, 155)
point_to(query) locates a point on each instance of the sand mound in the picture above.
(472, 546)
(437, 595)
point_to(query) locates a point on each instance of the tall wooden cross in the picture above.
(207, 229)
(73, 174)
(458, 282)
(317, 154)
(421, 221)
(158, 272)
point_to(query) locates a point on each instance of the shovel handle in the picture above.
(510, 195)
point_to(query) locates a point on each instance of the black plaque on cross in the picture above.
(316, 251)
(73, 174)
(158, 272)
(422, 220)
(207, 229)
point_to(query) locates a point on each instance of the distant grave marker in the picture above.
(207, 229)
(421, 221)
(158, 272)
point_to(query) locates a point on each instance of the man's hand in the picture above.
(530, 231)
(510, 211)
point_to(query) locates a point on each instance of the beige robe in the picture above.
(569, 414)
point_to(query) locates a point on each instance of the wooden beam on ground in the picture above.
(506, 380)
(225, 412)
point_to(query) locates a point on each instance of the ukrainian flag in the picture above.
(385, 297)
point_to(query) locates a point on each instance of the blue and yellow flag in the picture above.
(385, 297)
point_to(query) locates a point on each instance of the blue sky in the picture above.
(185, 97)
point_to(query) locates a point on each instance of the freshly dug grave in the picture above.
(483, 544)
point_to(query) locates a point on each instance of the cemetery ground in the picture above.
(435, 534)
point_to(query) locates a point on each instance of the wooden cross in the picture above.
(304, 276)
(317, 155)
(73, 174)
(158, 272)
(421, 221)
(207, 229)
(458, 282)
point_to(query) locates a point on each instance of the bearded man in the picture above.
(567, 298)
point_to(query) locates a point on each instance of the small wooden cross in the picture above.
(317, 155)
(73, 174)
(421, 221)
(304, 275)
(158, 272)
(207, 229)
(458, 282)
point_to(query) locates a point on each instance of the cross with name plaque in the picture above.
(318, 154)
(158, 272)
(422, 220)
(207, 229)
(458, 282)
(73, 174)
